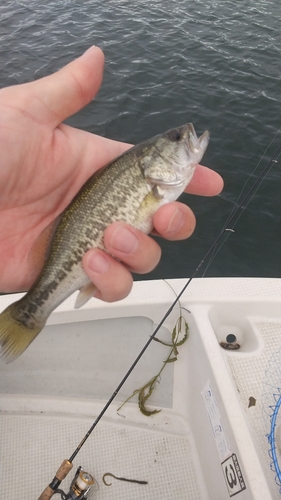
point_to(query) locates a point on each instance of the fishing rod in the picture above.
(83, 481)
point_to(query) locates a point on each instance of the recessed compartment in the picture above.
(234, 329)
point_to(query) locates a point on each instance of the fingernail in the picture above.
(98, 262)
(124, 240)
(176, 222)
(90, 49)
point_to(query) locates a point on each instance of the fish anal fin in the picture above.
(40, 249)
(85, 294)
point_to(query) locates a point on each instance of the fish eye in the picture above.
(174, 135)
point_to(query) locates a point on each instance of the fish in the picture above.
(130, 188)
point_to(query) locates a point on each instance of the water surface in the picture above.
(214, 63)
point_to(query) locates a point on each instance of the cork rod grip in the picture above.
(46, 494)
(61, 473)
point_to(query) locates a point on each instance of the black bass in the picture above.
(130, 189)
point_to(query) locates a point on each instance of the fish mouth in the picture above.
(197, 145)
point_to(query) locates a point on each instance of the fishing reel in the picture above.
(80, 487)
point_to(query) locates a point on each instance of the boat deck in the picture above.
(210, 440)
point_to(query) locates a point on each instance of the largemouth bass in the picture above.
(130, 189)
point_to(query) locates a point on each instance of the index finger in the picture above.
(205, 182)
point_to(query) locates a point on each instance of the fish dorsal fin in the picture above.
(40, 249)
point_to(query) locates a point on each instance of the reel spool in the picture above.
(79, 489)
(81, 485)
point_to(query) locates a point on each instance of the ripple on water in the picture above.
(169, 62)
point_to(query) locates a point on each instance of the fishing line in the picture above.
(260, 179)
(256, 167)
(242, 205)
(67, 464)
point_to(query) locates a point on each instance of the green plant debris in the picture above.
(178, 338)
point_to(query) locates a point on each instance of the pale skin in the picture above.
(44, 162)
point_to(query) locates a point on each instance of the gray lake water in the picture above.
(215, 63)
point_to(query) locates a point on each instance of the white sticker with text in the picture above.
(216, 422)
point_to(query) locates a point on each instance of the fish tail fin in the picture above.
(15, 336)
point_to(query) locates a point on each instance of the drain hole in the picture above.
(230, 336)
(230, 339)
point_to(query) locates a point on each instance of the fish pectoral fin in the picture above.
(85, 294)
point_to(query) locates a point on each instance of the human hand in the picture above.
(44, 163)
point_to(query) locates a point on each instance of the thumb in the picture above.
(54, 98)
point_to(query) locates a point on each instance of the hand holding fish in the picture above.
(44, 163)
